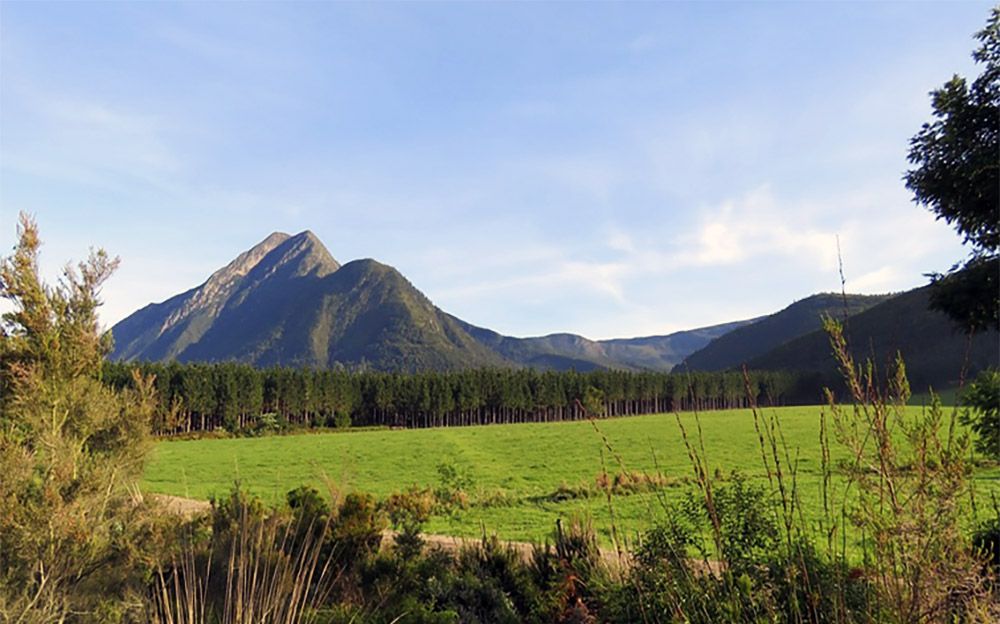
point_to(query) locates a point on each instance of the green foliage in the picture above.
(982, 414)
(969, 295)
(593, 402)
(910, 477)
(357, 527)
(73, 533)
(411, 507)
(747, 525)
(342, 420)
(307, 503)
(986, 540)
(452, 492)
(269, 423)
(957, 176)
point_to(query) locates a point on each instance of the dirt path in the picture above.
(185, 507)
(189, 508)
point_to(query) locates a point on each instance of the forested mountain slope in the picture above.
(741, 345)
(932, 347)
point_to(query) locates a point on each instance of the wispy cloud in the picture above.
(86, 140)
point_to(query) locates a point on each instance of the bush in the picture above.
(982, 413)
(74, 534)
(452, 491)
(986, 541)
(410, 508)
(267, 424)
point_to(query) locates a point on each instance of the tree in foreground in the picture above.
(71, 449)
(957, 176)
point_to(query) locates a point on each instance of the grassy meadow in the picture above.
(512, 470)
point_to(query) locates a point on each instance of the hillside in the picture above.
(287, 301)
(931, 346)
(741, 345)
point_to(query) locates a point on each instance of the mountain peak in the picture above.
(306, 253)
(307, 234)
(217, 287)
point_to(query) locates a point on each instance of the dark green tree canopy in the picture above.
(957, 156)
(957, 176)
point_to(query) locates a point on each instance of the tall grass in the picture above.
(257, 568)
(911, 491)
(904, 493)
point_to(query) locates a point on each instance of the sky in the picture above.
(607, 169)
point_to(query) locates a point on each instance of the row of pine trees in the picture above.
(236, 397)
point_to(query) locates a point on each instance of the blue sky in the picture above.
(610, 169)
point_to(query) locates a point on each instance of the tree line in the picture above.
(236, 397)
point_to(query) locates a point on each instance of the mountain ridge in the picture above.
(934, 351)
(287, 301)
(768, 332)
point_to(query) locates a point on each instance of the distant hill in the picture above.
(741, 345)
(287, 301)
(566, 351)
(665, 352)
(569, 351)
(931, 346)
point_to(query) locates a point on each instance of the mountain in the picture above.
(741, 345)
(933, 349)
(569, 351)
(665, 352)
(287, 301)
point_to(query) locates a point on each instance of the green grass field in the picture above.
(524, 462)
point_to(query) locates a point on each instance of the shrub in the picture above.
(342, 420)
(986, 541)
(910, 478)
(982, 414)
(71, 449)
(454, 484)
(357, 528)
(747, 532)
(269, 423)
